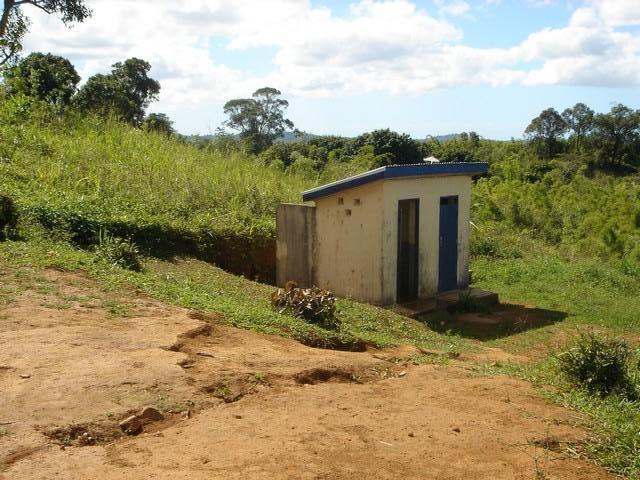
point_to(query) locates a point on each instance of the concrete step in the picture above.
(444, 301)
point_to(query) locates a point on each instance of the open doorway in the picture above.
(407, 274)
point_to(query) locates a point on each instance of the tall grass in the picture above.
(120, 173)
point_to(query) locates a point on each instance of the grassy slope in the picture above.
(112, 172)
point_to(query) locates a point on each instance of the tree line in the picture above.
(608, 140)
(125, 92)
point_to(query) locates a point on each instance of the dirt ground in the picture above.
(238, 404)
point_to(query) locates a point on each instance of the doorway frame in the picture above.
(411, 291)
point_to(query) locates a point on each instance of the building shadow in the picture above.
(499, 321)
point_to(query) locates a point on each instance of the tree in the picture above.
(260, 119)
(390, 148)
(139, 87)
(125, 92)
(47, 77)
(545, 131)
(615, 135)
(159, 123)
(14, 24)
(579, 119)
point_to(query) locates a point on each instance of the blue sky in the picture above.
(424, 67)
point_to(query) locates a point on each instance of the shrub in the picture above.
(600, 365)
(119, 252)
(8, 217)
(314, 305)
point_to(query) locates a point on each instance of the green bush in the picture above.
(8, 217)
(599, 365)
(118, 252)
(314, 305)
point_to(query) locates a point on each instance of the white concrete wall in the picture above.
(428, 190)
(348, 251)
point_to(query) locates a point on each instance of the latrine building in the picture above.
(391, 235)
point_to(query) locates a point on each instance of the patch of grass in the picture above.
(116, 308)
(595, 295)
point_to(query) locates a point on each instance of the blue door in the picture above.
(448, 258)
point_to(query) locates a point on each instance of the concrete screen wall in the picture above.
(296, 226)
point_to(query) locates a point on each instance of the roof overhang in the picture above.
(396, 171)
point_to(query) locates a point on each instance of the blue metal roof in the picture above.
(396, 171)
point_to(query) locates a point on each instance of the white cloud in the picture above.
(617, 12)
(452, 7)
(390, 46)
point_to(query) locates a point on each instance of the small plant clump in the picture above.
(314, 305)
(118, 252)
(8, 217)
(600, 365)
(467, 303)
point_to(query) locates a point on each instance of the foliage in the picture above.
(390, 148)
(118, 252)
(125, 92)
(8, 217)
(545, 132)
(14, 25)
(461, 148)
(260, 119)
(46, 77)
(312, 304)
(579, 119)
(616, 136)
(600, 365)
(159, 123)
(561, 202)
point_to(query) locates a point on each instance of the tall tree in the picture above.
(259, 119)
(47, 77)
(615, 135)
(126, 92)
(546, 131)
(14, 24)
(579, 120)
(159, 123)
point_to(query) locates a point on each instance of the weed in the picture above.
(467, 303)
(314, 305)
(117, 309)
(8, 217)
(260, 378)
(600, 365)
(118, 252)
